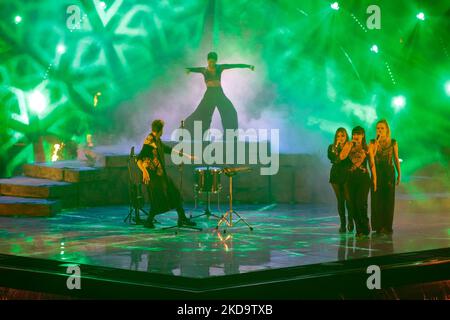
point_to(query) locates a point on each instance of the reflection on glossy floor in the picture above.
(283, 236)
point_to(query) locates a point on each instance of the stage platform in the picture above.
(289, 247)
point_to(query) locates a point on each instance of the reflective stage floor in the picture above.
(283, 236)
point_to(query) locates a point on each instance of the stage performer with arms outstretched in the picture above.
(214, 96)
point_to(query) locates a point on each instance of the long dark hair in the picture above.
(342, 130)
(359, 129)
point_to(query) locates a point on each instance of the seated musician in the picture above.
(163, 194)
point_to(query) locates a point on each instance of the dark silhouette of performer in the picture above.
(358, 179)
(214, 96)
(163, 194)
(338, 176)
(385, 152)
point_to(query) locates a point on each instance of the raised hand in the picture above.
(145, 177)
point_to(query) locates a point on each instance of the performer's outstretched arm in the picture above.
(195, 69)
(238, 65)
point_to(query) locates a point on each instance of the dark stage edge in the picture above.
(336, 280)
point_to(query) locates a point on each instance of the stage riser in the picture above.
(74, 173)
(39, 188)
(300, 179)
(288, 186)
(409, 275)
(15, 206)
(36, 192)
(109, 160)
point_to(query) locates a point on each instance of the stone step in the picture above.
(40, 188)
(105, 156)
(17, 206)
(69, 171)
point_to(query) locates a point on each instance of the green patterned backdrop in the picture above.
(72, 68)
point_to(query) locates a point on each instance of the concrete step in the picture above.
(29, 207)
(106, 156)
(69, 171)
(40, 188)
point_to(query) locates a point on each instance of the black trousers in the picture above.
(214, 96)
(339, 191)
(383, 200)
(357, 192)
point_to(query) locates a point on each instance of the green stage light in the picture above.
(37, 102)
(420, 16)
(18, 19)
(102, 5)
(398, 103)
(447, 88)
(61, 49)
(374, 48)
(335, 6)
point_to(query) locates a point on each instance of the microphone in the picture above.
(182, 124)
(378, 137)
(132, 152)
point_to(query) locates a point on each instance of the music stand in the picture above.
(137, 200)
(228, 216)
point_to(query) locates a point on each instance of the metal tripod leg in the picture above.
(182, 227)
(229, 213)
(229, 222)
(207, 212)
(133, 213)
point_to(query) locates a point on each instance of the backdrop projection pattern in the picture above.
(106, 68)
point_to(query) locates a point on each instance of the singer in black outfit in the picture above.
(163, 194)
(214, 96)
(358, 180)
(385, 150)
(338, 176)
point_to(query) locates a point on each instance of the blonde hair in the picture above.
(388, 130)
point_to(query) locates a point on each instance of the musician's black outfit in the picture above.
(163, 194)
(357, 188)
(383, 200)
(338, 178)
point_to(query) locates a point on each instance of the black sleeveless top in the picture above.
(385, 155)
(384, 162)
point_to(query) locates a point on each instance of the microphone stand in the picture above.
(181, 167)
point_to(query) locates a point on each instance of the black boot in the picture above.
(186, 222)
(183, 220)
(149, 223)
